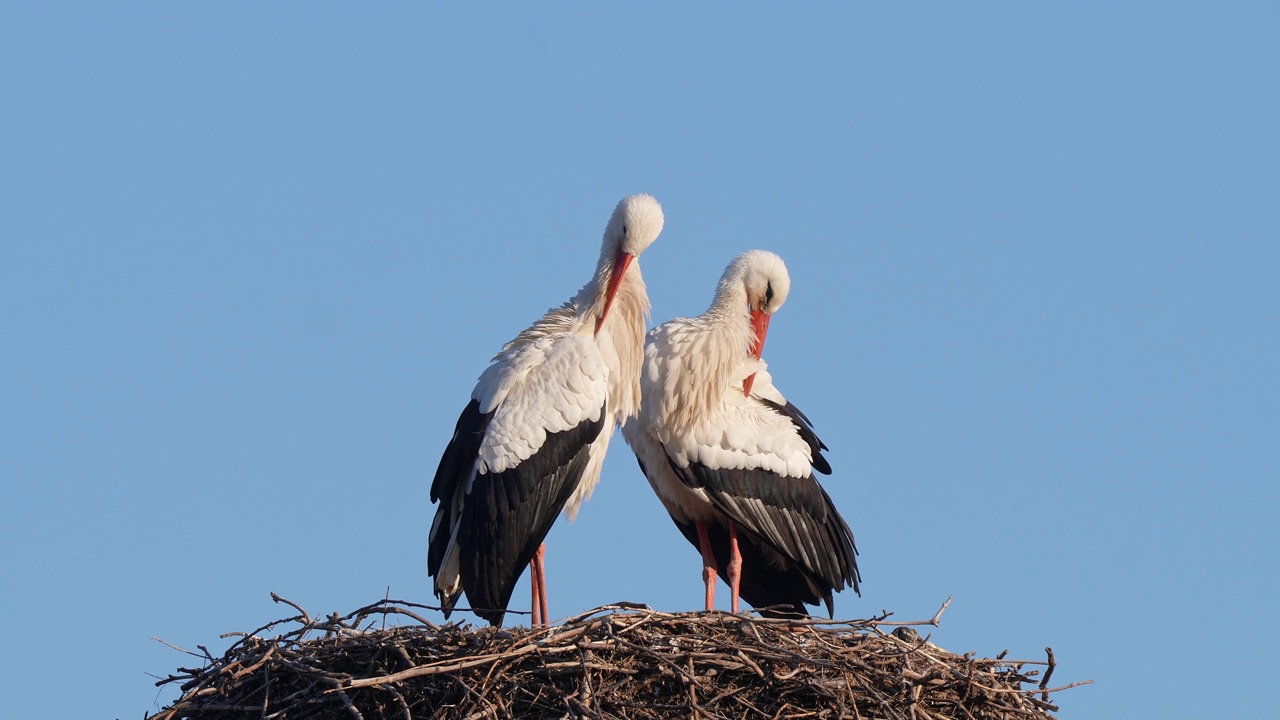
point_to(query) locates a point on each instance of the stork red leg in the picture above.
(708, 564)
(539, 567)
(535, 585)
(735, 566)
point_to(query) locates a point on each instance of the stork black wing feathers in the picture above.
(508, 515)
(805, 429)
(455, 466)
(794, 516)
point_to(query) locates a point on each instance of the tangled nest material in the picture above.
(619, 661)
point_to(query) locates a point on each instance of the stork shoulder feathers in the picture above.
(707, 421)
(542, 385)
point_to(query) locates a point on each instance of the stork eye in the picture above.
(768, 294)
(624, 228)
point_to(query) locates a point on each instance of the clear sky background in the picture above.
(253, 257)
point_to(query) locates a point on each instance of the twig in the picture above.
(276, 598)
(934, 621)
(422, 670)
(175, 647)
(351, 707)
(1044, 683)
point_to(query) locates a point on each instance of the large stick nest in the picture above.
(621, 661)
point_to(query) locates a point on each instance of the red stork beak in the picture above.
(620, 265)
(759, 323)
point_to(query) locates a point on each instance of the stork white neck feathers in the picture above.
(635, 224)
(615, 305)
(724, 343)
(757, 283)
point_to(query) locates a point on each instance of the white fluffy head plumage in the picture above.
(760, 276)
(635, 224)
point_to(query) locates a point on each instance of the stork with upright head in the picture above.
(731, 460)
(531, 442)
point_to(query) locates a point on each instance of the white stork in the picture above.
(532, 440)
(731, 459)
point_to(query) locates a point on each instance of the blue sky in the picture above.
(253, 257)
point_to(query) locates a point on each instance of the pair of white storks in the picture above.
(730, 459)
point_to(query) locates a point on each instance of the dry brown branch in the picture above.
(934, 621)
(1048, 672)
(623, 661)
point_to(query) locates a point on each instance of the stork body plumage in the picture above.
(731, 460)
(532, 439)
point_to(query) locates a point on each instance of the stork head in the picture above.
(760, 278)
(635, 224)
